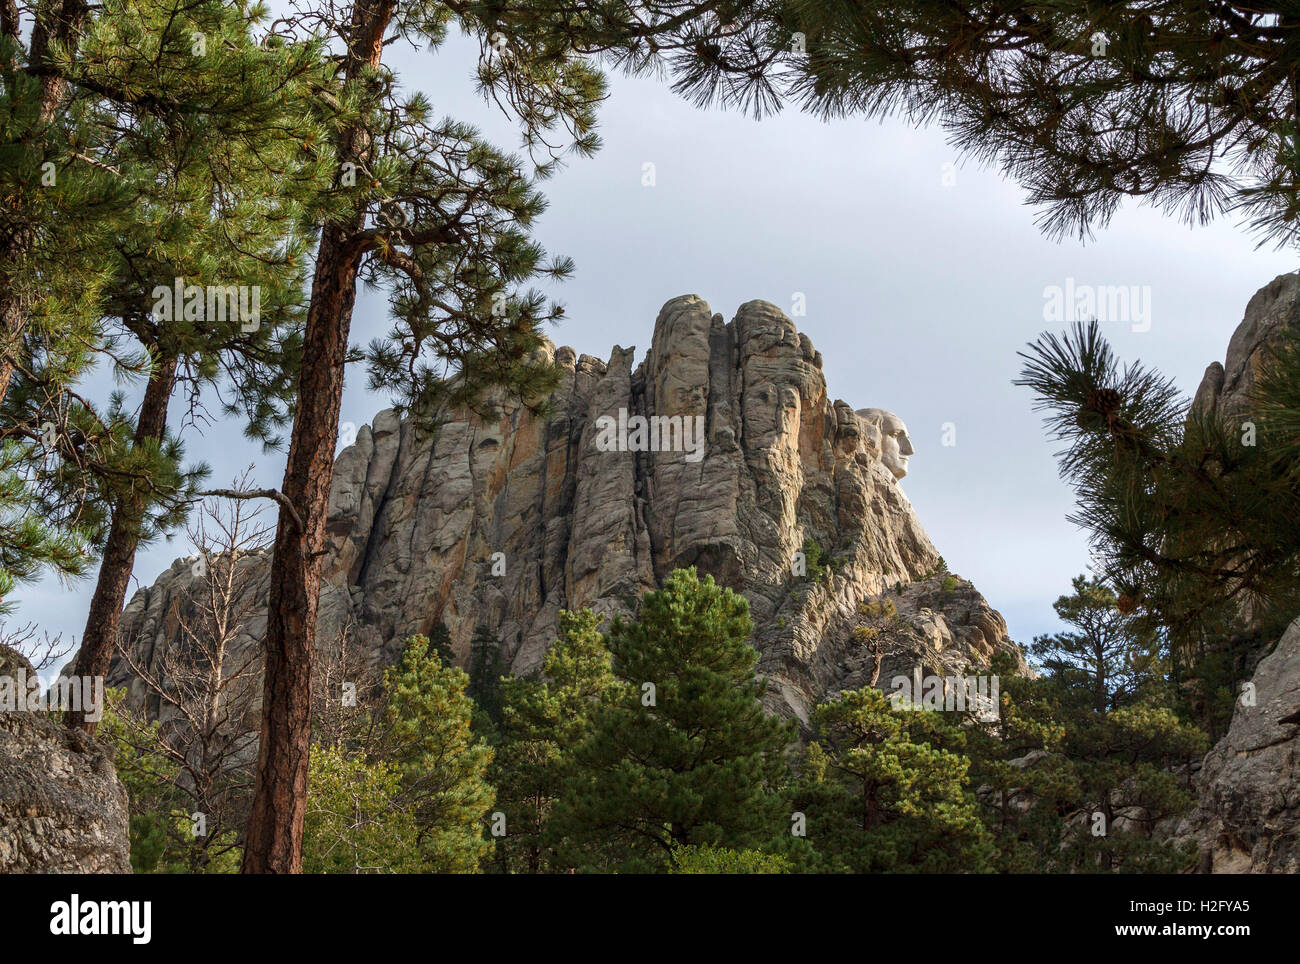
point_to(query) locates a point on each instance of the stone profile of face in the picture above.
(895, 446)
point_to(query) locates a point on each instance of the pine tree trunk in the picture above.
(100, 638)
(279, 802)
(13, 320)
(274, 842)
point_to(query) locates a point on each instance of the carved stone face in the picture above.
(895, 446)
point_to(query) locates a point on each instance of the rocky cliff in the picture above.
(62, 809)
(503, 521)
(1247, 818)
(1225, 387)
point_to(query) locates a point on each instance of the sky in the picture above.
(922, 276)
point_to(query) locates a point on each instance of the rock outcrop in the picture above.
(1225, 387)
(1247, 818)
(62, 809)
(503, 521)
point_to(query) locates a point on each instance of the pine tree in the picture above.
(1025, 781)
(1108, 658)
(399, 778)
(354, 823)
(542, 721)
(1089, 757)
(33, 88)
(885, 790)
(719, 860)
(440, 762)
(485, 669)
(440, 644)
(683, 753)
(441, 219)
(212, 216)
(1084, 104)
(877, 620)
(1133, 768)
(1190, 514)
(147, 144)
(159, 826)
(30, 544)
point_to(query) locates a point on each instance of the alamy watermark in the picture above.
(656, 433)
(242, 303)
(949, 694)
(21, 693)
(75, 917)
(1130, 304)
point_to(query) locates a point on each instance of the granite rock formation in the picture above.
(1248, 809)
(503, 521)
(1247, 818)
(1224, 389)
(62, 809)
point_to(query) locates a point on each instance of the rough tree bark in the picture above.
(105, 616)
(274, 843)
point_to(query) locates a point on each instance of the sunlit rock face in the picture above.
(504, 522)
(888, 436)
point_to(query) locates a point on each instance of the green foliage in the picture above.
(706, 859)
(875, 619)
(440, 644)
(29, 543)
(1109, 659)
(355, 822)
(485, 669)
(439, 761)
(682, 753)
(1191, 516)
(1124, 766)
(162, 162)
(161, 831)
(818, 567)
(405, 792)
(543, 720)
(1089, 757)
(1088, 104)
(885, 791)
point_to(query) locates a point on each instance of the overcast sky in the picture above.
(921, 283)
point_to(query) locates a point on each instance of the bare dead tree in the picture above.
(208, 682)
(347, 695)
(22, 646)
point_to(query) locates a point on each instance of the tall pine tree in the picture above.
(207, 270)
(683, 753)
(542, 721)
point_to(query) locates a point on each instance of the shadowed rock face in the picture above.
(1247, 818)
(416, 517)
(1248, 809)
(62, 809)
